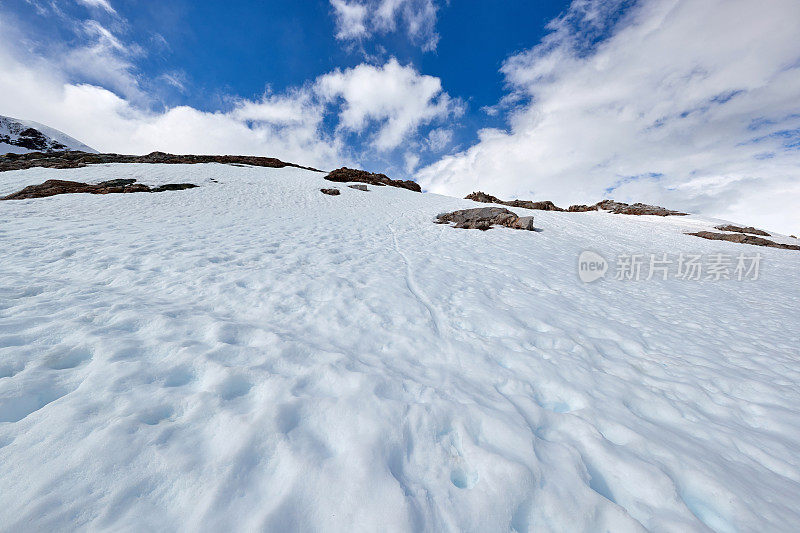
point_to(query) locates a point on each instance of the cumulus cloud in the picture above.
(360, 19)
(397, 97)
(351, 19)
(693, 105)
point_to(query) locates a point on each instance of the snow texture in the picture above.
(256, 355)
(50, 139)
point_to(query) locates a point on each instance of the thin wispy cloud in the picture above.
(361, 19)
(98, 4)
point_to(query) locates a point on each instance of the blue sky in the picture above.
(208, 54)
(692, 105)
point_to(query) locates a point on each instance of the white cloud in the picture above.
(439, 139)
(359, 19)
(102, 4)
(693, 105)
(396, 97)
(109, 122)
(351, 19)
(383, 104)
(411, 160)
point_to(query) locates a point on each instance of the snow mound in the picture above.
(23, 136)
(255, 355)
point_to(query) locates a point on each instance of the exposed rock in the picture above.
(606, 205)
(32, 139)
(77, 159)
(621, 208)
(483, 218)
(345, 174)
(331, 192)
(740, 229)
(744, 239)
(173, 187)
(792, 236)
(525, 223)
(482, 197)
(581, 208)
(22, 136)
(359, 186)
(546, 205)
(56, 187)
(117, 183)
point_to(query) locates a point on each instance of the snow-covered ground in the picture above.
(255, 355)
(51, 138)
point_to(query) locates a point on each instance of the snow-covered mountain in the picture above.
(253, 354)
(23, 136)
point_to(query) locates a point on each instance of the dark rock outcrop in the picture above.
(483, 218)
(359, 187)
(172, 187)
(545, 205)
(117, 183)
(345, 174)
(743, 239)
(482, 197)
(739, 229)
(621, 208)
(56, 187)
(81, 159)
(605, 205)
(32, 139)
(331, 192)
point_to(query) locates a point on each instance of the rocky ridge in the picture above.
(76, 159)
(619, 208)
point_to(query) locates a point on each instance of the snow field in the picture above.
(255, 355)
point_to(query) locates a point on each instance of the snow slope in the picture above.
(15, 138)
(255, 355)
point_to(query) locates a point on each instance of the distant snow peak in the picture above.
(23, 136)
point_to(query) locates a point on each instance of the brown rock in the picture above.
(483, 218)
(743, 239)
(581, 208)
(331, 192)
(740, 229)
(172, 187)
(525, 223)
(345, 174)
(545, 205)
(621, 208)
(482, 197)
(56, 187)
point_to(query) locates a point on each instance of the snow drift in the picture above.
(253, 354)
